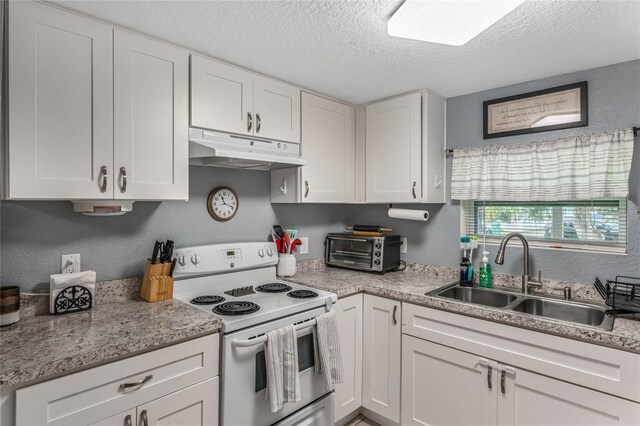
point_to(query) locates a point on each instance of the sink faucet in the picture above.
(527, 282)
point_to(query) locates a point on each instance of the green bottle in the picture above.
(485, 271)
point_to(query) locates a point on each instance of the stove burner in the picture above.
(273, 288)
(236, 308)
(207, 300)
(302, 294)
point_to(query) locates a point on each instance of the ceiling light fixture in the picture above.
(453, 22)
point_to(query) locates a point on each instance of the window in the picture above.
(598, 225)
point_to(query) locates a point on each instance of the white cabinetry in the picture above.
(523, 377)
(151, 89)
(60, 104)
(393, 150)
(349, 393)
(328, 146)
(177, 383)
(91, 109)
(230, 99)
(443, 386)
(381, 356)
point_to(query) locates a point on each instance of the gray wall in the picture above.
(35, 234)
(614, 103)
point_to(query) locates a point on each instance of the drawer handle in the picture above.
(145, 420)
(125, 386)
(127, 420)
(395, 308)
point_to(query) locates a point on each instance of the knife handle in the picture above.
(156, 249)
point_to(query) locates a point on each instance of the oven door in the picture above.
(353, 252)
(244, 375)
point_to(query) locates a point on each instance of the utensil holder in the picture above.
(286, 265)
(157, 285)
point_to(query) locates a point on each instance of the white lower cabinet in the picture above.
(381, 356)
(444, 386)
(349, 393)
(177, 385)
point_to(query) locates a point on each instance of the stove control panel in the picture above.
(220, 258)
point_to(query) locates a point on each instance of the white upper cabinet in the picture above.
(328, 146)
(60, 105)
(393, 150)
(221, 96)
(276, 109)
(151, 126)
(434, 158)
(93, 113)
(230, 99)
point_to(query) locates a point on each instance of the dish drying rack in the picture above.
(622, 295)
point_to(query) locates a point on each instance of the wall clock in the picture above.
(222, 203)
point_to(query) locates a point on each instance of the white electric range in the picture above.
(237, 282)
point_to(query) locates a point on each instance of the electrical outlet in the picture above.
(403, 246)
(70, 263)
(304, 247)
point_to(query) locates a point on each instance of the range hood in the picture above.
(208, 148)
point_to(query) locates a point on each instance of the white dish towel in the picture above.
(281, 353)
(328, 354)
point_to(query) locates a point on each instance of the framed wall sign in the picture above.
(561, 107)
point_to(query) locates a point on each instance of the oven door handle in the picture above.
(247, 343)
(364, 240)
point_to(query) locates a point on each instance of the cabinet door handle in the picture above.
(395, 309)
(125, 386)
(413, 189)
(127, 420)
(489, 374)
(258, 123)
(504, 371)
(145, 420)
(123, 173)
(502, 377)
(438, 182)
(249, 122)
(306, 188)
(103, 173)
(283, 187)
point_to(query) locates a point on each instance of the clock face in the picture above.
(222, 203)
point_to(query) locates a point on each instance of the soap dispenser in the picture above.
(485, 270)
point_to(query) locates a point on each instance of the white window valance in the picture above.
(583, 167)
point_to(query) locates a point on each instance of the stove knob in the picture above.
(377, 261)
(261, 253)
(182, 260)
(195, 259)
(270, 252)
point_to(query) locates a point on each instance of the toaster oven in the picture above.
(375, 254)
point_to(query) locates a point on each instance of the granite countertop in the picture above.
(412, 284)
(48, 345)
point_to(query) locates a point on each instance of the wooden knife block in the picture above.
(157, 285)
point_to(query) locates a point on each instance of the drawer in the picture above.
(597, 367)
(91, 395)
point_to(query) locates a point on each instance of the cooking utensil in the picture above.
(368, 228)
(293, 233)
(278, 230)
(294, 244)
(286, 240)
(156, 250)
(278, 242)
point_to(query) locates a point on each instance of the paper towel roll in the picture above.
(409, 214)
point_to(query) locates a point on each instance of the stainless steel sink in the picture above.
(565, 311)
(538, 305)
(477, 295)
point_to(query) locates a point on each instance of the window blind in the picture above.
(594, 225)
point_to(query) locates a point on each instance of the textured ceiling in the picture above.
(341, 48)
